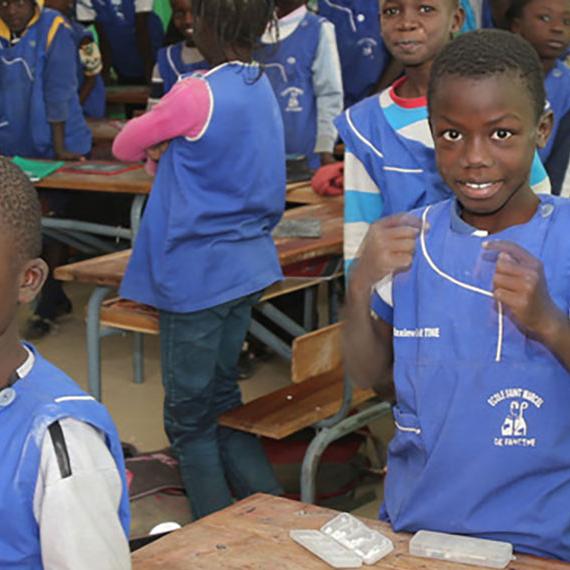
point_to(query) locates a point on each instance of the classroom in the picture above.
(285, 284)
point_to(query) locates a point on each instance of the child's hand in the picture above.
(389, 246)
(519, 284)
(66, 155)
(155, 152)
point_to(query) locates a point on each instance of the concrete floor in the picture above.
(137, 409)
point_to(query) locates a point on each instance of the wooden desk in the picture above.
(105, 130)
(302, 193)
(127, 94)
(254, 534)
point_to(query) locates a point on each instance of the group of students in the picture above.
(458, 270)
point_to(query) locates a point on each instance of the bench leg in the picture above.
(325, 437)
(309, 297)
(94, 340)
(136, 213)
(333, 300)
(138, 357)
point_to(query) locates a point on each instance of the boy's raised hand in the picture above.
(519, 284)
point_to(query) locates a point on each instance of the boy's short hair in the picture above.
(487, 53)
(20, 212)
(516, 10)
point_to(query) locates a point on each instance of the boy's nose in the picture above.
(188, 20)
(408, 20)
(476, 154)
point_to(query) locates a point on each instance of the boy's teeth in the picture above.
(478, 186)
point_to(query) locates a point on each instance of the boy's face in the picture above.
(415, 31)
(546, 25)
(182, 18)
(485, 135)
(17, 13)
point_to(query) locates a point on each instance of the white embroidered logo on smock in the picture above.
(514, 428)
(367, 45)
(424, 332)
(293, 103)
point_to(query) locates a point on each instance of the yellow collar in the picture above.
(5, 31)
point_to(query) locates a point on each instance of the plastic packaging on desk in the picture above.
(464, 549)
(344, 542)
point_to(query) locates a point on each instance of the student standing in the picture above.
(470, 315)
(204, 252)
(301, 59)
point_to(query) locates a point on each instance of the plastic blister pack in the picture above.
(345, 542)
(464, 549)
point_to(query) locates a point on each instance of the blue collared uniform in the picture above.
(363, 55)
(38, 85)
(172, 68)
(288, 65)
(27, 409)
(205, 235)
(557, 86)
(481, 445)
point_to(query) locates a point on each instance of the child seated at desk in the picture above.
(545, 24)
(204, 252)
(463, 306)
(300, 57)
(178, 59)
(63, 494)
(40, 113)
(89, 66)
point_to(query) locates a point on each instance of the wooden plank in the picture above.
(127, 94)
(292, 408)
(109, 269)
(316, 353)
(254, 535)
(304, 194)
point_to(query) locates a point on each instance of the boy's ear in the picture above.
(32, 278)
(515, 26)
(458, 19)
(545, 126)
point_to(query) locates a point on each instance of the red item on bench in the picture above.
(329, 180)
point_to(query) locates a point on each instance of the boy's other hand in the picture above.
(519, 284)
(155, 152)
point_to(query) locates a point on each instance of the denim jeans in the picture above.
(199, 354)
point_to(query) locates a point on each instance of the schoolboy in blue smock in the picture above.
(63, 494)
(204, 252)
(40, 113)
(363, 55)
(89, 64)
(177, 59)
(389, 146)
(468, 315)
(300, 57)
(130, 34)
(545, 24)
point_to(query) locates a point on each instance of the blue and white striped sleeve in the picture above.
(363, 205)
(381, 300)
(539, 180)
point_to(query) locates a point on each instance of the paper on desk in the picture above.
(301, 228)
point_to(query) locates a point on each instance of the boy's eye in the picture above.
(544, 18)
(451, 135)
(425, 9)
(390, 11)
(501, 135)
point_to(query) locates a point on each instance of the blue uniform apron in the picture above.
(44, 396)
(205, 235)
(118, 20)
(24, 128)
(482, 422)
(288, 65)
(171, 66)
(363, 55)
(557, 86)
(403, 169)
(94, 105)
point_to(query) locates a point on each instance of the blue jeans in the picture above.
(199, 354)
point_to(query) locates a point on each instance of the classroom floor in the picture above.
(137, 409)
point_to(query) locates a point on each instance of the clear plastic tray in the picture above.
(464, 549)
(326, 548)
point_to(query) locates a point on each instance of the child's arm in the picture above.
(389, 247)
(60, 87)
(143, 9)
(519, 284)
(327, 83)
(90, 58)
(183, 111)
(557, 163)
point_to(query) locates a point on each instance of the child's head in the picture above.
(415, 32)
(229, 29)
(182, 19)
(486, 103)
(16, 14)
(65, 7)
(543, 23)
(285, 7)
(22, 272)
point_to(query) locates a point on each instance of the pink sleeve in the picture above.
(183, 111)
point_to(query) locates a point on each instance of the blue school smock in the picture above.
(38, 85)
(481, 445)
(27, 409)
(118, 22)
(94, 105)
(171, 66)
(557, 84)
(205, 235)
(288, 64)
(362, 52)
